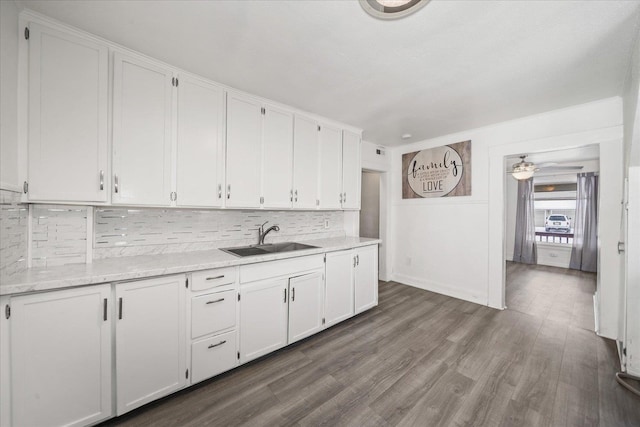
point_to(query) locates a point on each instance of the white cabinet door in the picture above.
(351, 170)
(305, 163)
(200, 143)
(330, 182)
(67, 138)
(263, 318)
(141, 132)
(305, 306)
(150, 340)
(339, 286)
(61, 357)
(277, 158)
(366, 278)
(244, 154)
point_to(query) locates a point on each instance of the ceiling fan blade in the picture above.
(559, 168)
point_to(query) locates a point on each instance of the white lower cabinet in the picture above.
(351, 283)
(60, 356)
(212, 356)
(339, 287)
(366, 278)
(150, 340)
(305, 305)
(214, 317)
(263, 317)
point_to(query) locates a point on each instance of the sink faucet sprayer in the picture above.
(262, 233)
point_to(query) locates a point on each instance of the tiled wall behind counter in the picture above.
(127, 232)
(59, 235)
(13, 233)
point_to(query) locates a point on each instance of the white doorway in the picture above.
(370, 205)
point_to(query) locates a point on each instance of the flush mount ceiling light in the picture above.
(523, 170)
(391, 9)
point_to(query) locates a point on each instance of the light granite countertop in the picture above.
(137, 267)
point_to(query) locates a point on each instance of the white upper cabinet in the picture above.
(305, 163)
(277, 158)
(351, 170)
(330, 181)
(142, 111)
(67, 116)
(244, 154)
(200, 143)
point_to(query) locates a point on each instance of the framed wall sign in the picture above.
(437, 172)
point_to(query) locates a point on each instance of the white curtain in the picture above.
(525, 245)
(584, 253)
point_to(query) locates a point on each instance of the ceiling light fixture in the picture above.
(523, 170)
(406, 136)
(391, 9)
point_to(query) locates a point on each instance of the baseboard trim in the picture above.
(440, 288)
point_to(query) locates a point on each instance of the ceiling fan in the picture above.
(525, 170)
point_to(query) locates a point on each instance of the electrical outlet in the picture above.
(326, 223)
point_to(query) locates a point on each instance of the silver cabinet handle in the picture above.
(291, 195)
(215, 301)
(215, 277)
(344, 199)
(341, 198)
(104, 310)
(115, 183)
(285, 295)
(120, 309)
(216, 345)
(296, 195)
(354, 262)
(219, 191)
(229, 191)
(293, 294)
(357, 259)
(101, 180)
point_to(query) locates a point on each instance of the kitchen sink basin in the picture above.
(243, 251)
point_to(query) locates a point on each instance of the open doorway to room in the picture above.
(370, 205)
(550, 231)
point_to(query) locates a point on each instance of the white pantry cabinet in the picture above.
(200, 143)
(142, 114)
(366, 278)
(306, 305)
(305, 163)
(351, 170)
(263, 317)
(150, 340)
(67, 117)
(244, 151)
(277, 158)
(339, 292)
(330, 179)
(60, 357)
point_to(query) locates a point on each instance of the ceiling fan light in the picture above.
(523, 174)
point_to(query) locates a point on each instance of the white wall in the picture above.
(456, 245)
(9, 100)
(631, 110)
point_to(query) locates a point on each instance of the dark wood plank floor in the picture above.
(424, 359)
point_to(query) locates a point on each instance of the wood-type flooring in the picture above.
(424, 359)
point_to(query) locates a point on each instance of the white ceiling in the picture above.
(454, 65)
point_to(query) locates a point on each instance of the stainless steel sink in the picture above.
(243, 251)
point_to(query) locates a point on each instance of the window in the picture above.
(555, 210)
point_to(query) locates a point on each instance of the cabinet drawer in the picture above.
(213, 312)
(208, 279)
(212, 356)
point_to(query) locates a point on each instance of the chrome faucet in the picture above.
(262, 233)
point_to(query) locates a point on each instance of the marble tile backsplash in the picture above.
(127, 232)
(14, 218)
(59, 235)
